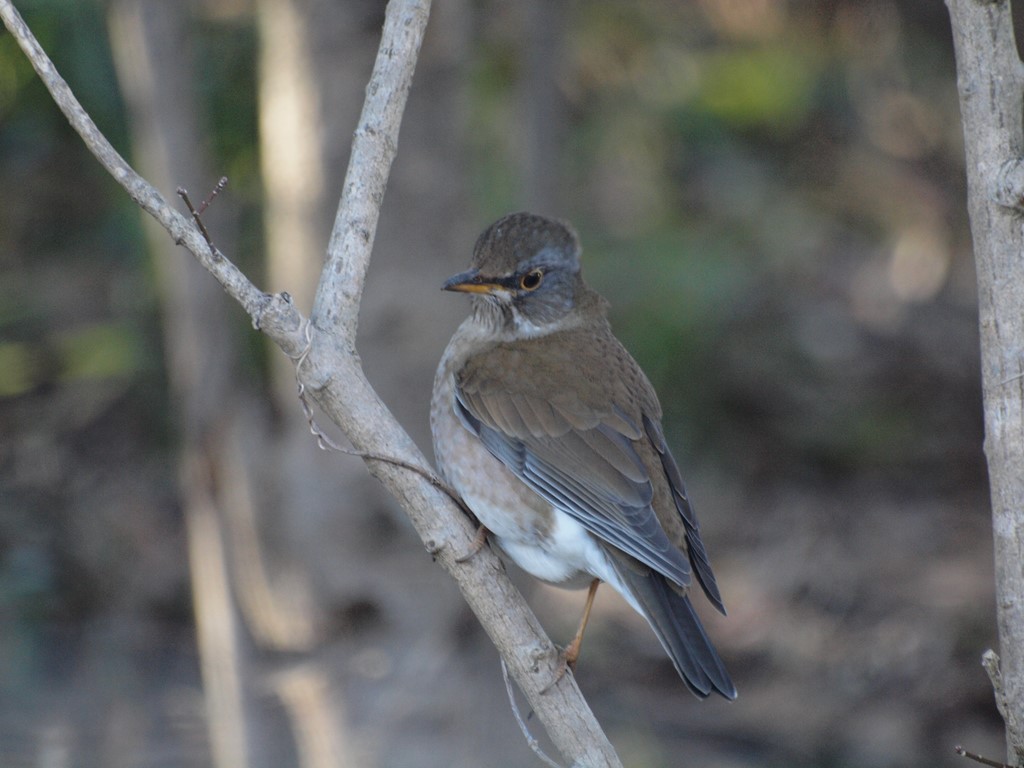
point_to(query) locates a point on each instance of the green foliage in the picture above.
(17, 368)
(770, 87)
(101, 351)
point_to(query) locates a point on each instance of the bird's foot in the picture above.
(478, 543)
(566, 663)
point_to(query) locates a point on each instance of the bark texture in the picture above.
(990, 78)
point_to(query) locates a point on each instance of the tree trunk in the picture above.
(990, 78)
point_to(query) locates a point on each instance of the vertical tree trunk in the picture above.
(991, 85)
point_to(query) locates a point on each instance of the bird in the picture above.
(551, 433)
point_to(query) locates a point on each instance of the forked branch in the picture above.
(333, 376)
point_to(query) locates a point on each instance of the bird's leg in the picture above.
(568, 657)
(478, 543)
(572, 651)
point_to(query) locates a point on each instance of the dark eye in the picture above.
(531, 279)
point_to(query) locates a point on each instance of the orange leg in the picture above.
(572, 651)
(571, 654)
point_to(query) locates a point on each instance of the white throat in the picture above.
(501, 321)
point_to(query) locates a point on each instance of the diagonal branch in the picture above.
(333, 375)
(274, 315)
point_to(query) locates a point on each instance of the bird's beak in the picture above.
(471, 281)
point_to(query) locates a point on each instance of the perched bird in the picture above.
(551, 433)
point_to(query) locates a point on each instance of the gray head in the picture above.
(525, 273)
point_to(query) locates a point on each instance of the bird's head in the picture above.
(525, 275)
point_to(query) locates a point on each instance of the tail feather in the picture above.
(672, 617)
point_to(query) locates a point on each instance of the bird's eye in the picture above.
(531, 279)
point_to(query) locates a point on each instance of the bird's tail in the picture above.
(671, 616)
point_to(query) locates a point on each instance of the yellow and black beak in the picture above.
(471, 281)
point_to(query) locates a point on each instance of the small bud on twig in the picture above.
(979, 759)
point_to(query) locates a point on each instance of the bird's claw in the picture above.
(565, 664)
(479, 540)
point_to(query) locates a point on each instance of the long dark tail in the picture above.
(679, 630)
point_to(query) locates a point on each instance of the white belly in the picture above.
(569, 557)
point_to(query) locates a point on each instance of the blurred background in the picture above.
(771, 195)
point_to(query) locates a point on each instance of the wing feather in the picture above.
(582, 481)
(694, 543)
(591, 446)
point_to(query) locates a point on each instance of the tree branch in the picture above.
(374, 146)
(990, 79)
(332, 373)
(274, 315)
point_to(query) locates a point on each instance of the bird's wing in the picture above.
(694, 544)
(590, 446)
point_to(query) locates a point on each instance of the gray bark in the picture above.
(990, 78)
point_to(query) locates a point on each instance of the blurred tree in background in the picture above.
(771, 195)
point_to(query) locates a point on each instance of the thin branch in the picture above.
(530, 740)
(979, 759)
(272, 314)
(374, 145)
(325, 443)
(197, 214)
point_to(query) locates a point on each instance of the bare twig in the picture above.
(217, 189)
(277, 318)
(326, 443)
(979, 759)
(197, 214)
(530, 740)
